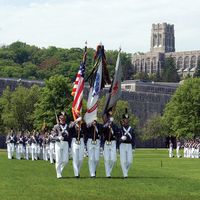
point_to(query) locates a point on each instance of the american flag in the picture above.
(77, 90)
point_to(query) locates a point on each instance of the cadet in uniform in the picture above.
(61, 135)
(10, 141)
(178, 146)
(34, 141)
(20, 146)
(127, 143)
(93, 146)
(110, 134)
(171, 149)
(27, 139)
(45, 144)
(76, 131)
(52, 148)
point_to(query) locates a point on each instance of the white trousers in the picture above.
(93, 156)
(126, 157)
(178, 152)
(20, 151)
(171, 152)
(28, 151)
(110, 157)
(77, 155)
(62, 156)
(34, 151)
(185, 152)
(46, 152)
(52, 152)
(10, 149)
(39, 152)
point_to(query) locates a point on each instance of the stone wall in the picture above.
(13, 83)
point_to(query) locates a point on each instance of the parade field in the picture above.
(152, 176)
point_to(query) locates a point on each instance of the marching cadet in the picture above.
(61, 135)
(93, 134)
(110, 134)
(178, 146)
(76, 131)
(10, 141)
(171, 149)
(52, 148)
(185, 150)
(45, 145)
(127, 143)
(39, 146)
(34, 141)
(198, 149)
(20, 146)
(27, 140)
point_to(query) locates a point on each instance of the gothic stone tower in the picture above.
(162, 38)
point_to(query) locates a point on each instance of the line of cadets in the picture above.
(191, 149)
(78, 136)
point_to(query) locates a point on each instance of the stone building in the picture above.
(162, 47)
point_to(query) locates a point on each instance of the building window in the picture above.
(159, 39)
(186, 62)
(127, 87)
(193, 62)
(137, 65)
(148, 64)
(154, 65)
(180, 63)
(154, 40)
(142, 65)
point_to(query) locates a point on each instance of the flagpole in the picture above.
(110, 91)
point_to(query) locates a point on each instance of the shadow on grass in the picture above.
(116, 177)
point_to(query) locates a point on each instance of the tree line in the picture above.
(20, 60)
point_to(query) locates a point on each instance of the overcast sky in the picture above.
(125, 23)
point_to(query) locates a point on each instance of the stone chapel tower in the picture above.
(162, 38)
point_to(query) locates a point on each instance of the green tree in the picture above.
(18, 107)
(143, 76)
(182, 113)
(154, 128)
(169, 72)
(55, 97)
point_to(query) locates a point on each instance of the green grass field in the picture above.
(148, 179)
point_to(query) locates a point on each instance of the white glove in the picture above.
(60, 138)
(123, 138)
(111, 119)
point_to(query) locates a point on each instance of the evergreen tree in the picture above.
(169, 72)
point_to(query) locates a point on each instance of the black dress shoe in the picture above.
(92, 176)
(108, 176)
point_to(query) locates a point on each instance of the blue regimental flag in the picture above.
(97, 79)
(92, 103)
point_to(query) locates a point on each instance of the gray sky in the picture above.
(125, 23)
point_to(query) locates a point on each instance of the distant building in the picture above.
(162, 47)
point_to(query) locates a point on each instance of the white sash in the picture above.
(126, 132)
